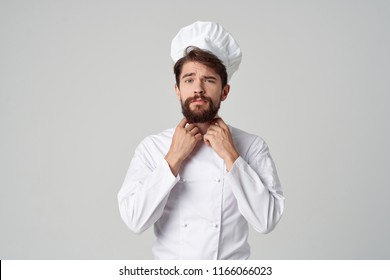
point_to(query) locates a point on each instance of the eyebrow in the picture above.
(204, 77)
(188, 75)
(209, 77)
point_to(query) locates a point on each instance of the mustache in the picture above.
(202, 97)
(200, 116)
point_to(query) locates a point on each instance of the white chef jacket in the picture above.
(203, 213)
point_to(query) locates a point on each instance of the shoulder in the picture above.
(247, 143)
(160, 139)
(163, 136)
(156, 145)
(246, 137)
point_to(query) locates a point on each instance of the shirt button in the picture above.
(217, 180)
(185, 225)
(215, 225)
(183, 180)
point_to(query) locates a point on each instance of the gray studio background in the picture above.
(83, 82)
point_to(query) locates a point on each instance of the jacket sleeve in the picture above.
(256, 186)
(145, 190)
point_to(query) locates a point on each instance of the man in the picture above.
(201, 183)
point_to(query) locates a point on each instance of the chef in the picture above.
(201, 183)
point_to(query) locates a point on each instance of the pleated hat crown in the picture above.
(208, 36)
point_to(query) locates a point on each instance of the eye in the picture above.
(188, 81)
(211, 81)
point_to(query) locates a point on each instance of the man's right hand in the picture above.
(183, 143)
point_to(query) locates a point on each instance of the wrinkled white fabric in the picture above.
(204, 212)
(212, 37)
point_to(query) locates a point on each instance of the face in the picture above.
(200, 92)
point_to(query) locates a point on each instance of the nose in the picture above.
(198, 87)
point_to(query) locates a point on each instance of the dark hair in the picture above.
(195, 54)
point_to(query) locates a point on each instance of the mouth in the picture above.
(199, 101)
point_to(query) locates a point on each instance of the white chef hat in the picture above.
(209, 36)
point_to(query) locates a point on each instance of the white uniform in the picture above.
(203, 213)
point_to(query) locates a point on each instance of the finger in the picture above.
(213, 128)
(208, 137)
(194, 131)
(198, 136)
(206, 140)
(183, 123)
(211, 132)
(190, 127)
(220, 122)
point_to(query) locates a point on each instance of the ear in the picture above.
(225, 92)
(177, 90)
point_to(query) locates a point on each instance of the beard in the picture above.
(199, 115)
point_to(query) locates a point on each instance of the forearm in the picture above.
(174, 162)
(142, 201)
(261, 204)
(230, 159)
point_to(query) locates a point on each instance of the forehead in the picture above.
(198, 69)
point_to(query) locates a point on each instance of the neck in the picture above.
(203, 127)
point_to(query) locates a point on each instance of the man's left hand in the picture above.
(218, 136)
